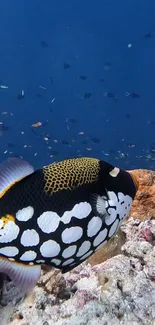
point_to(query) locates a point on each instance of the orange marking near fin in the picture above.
(9, 186)
(6, 219)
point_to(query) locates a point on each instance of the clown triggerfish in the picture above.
(58, 215)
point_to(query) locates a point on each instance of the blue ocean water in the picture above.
(86, 71)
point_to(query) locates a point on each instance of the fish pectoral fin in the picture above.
(99, 206)
(12, 171)
(23, 276)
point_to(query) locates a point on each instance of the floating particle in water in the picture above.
(131, 145)
(123, 155)
(147, 35)
(42, 87)
(43, 44)
(53, 100)
(66, 65)
(21, 95)
(134, 95)
(83, 77)
(105, 153)
(81, 133)
(87, 95)
(47, 138)
(95, 140)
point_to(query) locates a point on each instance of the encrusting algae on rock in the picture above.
(120, 290)
(143, 206)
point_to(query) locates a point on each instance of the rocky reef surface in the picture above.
(114, 286)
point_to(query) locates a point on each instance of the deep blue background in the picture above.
(37, 39)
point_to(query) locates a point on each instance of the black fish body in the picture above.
(58, 215)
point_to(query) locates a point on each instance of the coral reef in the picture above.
(120, 290)
(143, 206)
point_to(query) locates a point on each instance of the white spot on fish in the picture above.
(79, 211)
(114, 172)
(94, 226)
(25, 214)
(55, 261)
(113, 228)
(50, 248)
(69, 251)
(28, 256)
(29, 238)
(72, 234)
(40, 261)
(48, 221)
(86, 255)
(100, 237)
(84, 248)
(9, 232)
(71, 260)
(118, 206)
(109, 219)
(9, 251)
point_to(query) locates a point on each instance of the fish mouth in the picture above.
(135, 179)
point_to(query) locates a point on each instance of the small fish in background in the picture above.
(83, 77)
(58, 215)
(134, 95)
(44, 44)
(3, 86)
(21, 95)
(87, 95)
(66, 65)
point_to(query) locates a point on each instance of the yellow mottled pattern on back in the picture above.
(70, 173)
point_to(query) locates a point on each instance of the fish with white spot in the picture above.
(58, 215)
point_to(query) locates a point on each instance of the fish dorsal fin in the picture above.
(12, 171)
